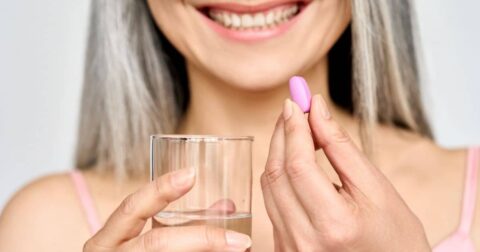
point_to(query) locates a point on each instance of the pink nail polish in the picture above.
(300, 93)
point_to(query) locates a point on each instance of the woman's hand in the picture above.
(309, 213)
(122, 232)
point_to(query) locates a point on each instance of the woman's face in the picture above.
(252, 44)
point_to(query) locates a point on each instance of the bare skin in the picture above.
(429, 178)
(247, 101)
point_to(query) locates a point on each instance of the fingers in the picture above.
(350, 164)
(277, 191)
(223, 206)
(128, 220)
(283, 219)
(273, 210)
(307, 179)
(189, 238)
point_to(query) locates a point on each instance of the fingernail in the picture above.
(182, 178)
(237, 240)
(287, 109)
(300, 93)
(321, 106)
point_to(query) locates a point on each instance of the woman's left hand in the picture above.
(309, 213)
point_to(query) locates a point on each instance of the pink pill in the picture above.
(300, 93)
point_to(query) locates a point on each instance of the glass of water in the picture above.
(221, 195)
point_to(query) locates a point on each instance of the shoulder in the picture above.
(45, 193)
(417, 149)
(45, 210)
(452, 166)
(39, 187)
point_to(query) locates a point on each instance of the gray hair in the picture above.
(135, 84)
(127, 90)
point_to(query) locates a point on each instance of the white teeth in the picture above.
(269, 19)
(227, 20)
(247, 21)
(260, 20)
(294, 9)
(278, 17)
(236, 22)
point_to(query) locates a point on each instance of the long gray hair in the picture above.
(135, 82)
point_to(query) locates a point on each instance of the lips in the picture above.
(252, 22)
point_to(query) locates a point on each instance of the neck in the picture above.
(221, 109)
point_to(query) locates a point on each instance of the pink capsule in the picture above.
(300, 93)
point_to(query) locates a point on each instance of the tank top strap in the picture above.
(86, 201)
(470, 190)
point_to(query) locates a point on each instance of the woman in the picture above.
(217, 67)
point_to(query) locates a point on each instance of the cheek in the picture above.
(172, 19)
(332, 19)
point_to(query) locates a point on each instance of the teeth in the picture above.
(278, 16)
(269, 19)
(247, 21)
(236, 21)
(259, 20)
(293, 10)
(227, 20)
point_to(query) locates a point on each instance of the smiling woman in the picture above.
(382, 91)
(221, 67)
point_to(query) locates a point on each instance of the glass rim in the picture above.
(199, 138)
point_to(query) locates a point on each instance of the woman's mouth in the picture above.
(259, 20)
(250, 23)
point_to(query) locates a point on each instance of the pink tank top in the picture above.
(459, 241)
(86, 201)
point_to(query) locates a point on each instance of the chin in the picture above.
(255, 77)
(252, 71)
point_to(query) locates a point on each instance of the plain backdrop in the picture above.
(42, 46)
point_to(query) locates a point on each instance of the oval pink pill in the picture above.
(300, 93)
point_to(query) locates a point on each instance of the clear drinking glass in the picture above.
(221, 195)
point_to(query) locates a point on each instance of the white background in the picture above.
(42, 45)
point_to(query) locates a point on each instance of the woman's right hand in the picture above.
(122, 231)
